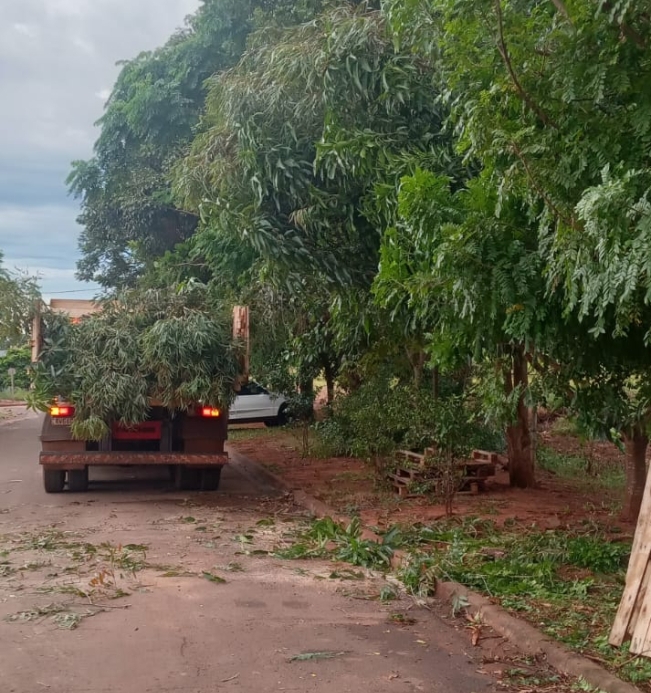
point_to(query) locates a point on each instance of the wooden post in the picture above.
(637, 575)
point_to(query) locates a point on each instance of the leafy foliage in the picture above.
(285, 163)
(128, 213)
(18, 295)
(348, 544)
(20, 359)
(382, 416)
(172, 347)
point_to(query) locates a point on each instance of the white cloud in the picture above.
(56, 59)
(26, 30)
(84, 45)
(66, 8)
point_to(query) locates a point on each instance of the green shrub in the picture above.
(382, 416)
(20, 360)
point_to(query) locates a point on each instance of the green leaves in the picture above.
(299, 136)
(555, 103)
(150, 118)
(18, 296)
(172, 347)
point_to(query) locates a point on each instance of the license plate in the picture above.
(66, 421)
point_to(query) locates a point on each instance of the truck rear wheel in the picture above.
(187, 478)
(78, 480)
(53, 480)
(210, 478)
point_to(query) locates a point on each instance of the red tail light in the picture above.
(61, 411)
(210, 412)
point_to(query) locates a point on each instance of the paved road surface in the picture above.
(118, 590)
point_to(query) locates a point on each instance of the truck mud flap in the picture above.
(79, 460)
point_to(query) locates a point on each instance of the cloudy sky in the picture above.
(57, 66)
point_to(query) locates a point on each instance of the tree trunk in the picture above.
(534, 434)
(518, 435)
(330, 382)
(417, 360)
(637, 442)
(436, 380)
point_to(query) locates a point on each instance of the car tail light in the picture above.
(210, 412)
(60, 411)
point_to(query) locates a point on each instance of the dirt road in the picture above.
(134, 587)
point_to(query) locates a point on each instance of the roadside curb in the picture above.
(529, 640)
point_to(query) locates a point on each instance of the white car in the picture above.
(255, 403)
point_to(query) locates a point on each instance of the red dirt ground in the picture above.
(349, 485)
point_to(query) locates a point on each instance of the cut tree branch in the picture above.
(504, 52)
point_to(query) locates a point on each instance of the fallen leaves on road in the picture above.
(308, 656)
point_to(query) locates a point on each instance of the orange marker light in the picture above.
(210, 412)
(58, 412)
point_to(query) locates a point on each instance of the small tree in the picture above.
(470, 263)
(18, 296)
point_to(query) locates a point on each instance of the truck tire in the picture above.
(187, 478)
(210, 478)
(53, 480)
(78, 480)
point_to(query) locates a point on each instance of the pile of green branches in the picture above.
(172, 347)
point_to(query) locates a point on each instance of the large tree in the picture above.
(128, 214)
(302, 146)
(552, 98)
(300, 138)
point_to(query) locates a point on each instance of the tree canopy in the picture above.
(417, 186)
(128, 214)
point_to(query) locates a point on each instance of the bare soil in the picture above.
(352, 485)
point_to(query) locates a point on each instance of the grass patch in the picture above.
(566, 584)
(326, 538)
(606, 476)
(344, 477)
(565, 426)
(235, 434)
(18, 395)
